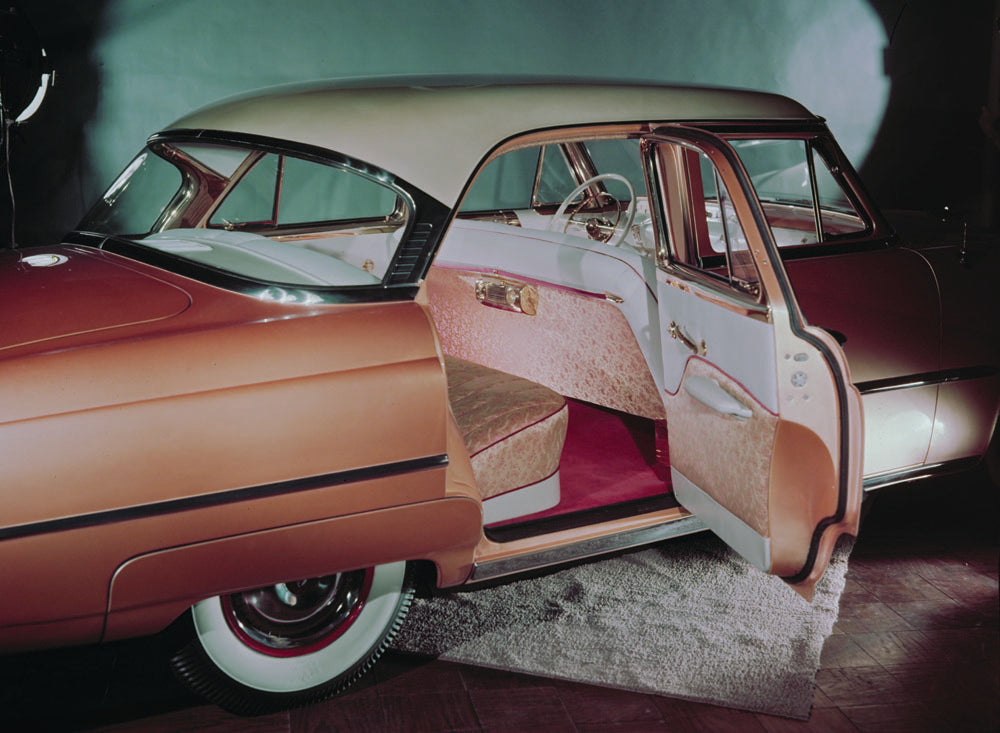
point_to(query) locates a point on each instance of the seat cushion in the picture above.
(514, 429)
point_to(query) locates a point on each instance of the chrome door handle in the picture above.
(676, 333)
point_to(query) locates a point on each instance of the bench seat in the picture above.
(514, 430)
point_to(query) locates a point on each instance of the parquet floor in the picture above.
(916, 649)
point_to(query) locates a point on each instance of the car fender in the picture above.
(149, 591)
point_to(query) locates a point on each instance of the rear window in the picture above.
(257, 214)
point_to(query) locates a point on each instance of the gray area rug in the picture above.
(687, 618)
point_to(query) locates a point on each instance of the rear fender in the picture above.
(148, 592)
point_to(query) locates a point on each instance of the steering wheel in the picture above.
(617, 237)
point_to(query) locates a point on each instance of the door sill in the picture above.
(584, 548)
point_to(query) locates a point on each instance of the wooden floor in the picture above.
(915, 649)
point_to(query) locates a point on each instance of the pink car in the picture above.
(319, 344)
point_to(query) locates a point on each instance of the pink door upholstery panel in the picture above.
(579, 345)
(728, 454)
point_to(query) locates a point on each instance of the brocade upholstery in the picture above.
(579, 345)
(727, 457)
(514, 429)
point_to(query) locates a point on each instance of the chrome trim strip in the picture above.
(584, 549)
(714, 291)
(919, 473)
(221, 498)
(926, 378)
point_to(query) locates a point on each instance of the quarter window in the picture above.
(280, 191)
(254, 200)
(555, 179)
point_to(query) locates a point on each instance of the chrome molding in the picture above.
(585, 548)
(919, 473)
(223, 498)
(927, 378)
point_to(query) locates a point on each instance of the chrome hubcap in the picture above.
(298, 617)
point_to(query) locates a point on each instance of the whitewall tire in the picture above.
(293, 643)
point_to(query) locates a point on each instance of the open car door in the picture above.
(765, 427)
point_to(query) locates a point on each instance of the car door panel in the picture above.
(885, 304)
(782, 483)
(730, 332)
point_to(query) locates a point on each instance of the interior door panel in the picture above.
(764, 425)
(728, 454)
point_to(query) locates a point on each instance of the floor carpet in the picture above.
(608, 457)
(687, 618)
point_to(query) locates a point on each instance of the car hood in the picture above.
(52, 292)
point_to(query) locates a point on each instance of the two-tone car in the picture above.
(318, 344)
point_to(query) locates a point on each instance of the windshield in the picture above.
(259, 214)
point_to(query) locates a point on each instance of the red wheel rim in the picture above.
(300, 617)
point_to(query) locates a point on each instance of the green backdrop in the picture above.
(128, 67)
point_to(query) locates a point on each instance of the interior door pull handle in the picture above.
(676, 333)
(708, 392)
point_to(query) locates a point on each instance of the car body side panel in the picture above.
(64, 591)
(123, 448)
(885, 302)
(149, 591)
(898, 427)
(965, 418)
(150, 586)
(967, 409)
(245, 406)
(970, 300)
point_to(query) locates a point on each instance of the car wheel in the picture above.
(293, 643)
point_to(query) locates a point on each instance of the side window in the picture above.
(263, 215)
(312, 192)
(622, 157)
(555, 180)
(301, 221)
(801, 198)
(543, 176)
(282, 191)
(254, 199)
(704, 231)
(505, 182)
(838, 215)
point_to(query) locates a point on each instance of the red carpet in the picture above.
(609, 457)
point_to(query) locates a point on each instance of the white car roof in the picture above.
(435, 136)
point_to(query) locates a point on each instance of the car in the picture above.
(320, 344)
